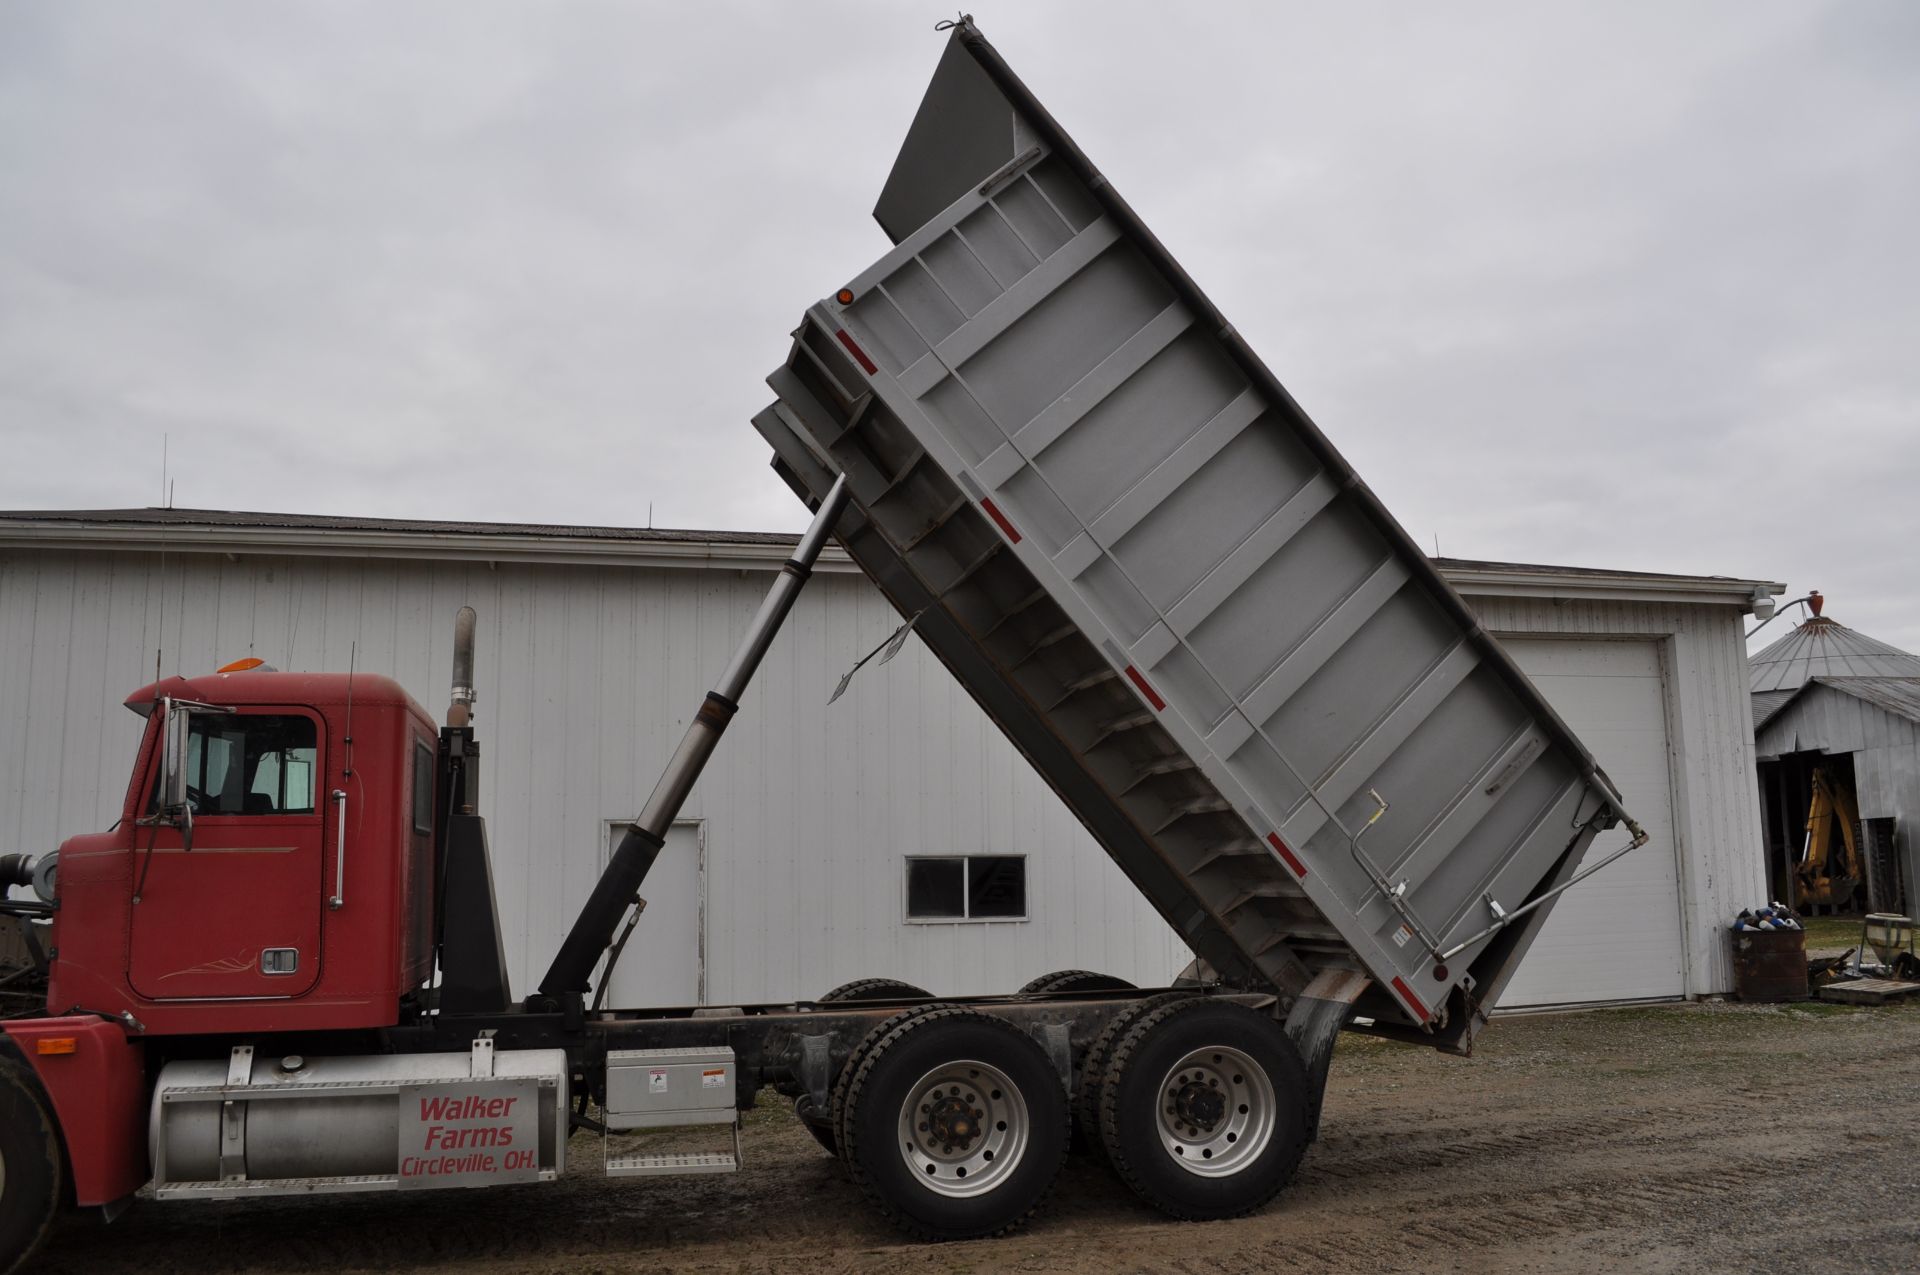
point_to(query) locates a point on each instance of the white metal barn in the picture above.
(894, 832)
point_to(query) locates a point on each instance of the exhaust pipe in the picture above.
(619, 885)
(460, 710)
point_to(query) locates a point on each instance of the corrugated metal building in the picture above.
(1830, 696)
(894, 832)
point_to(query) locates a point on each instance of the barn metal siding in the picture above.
(1716, 811)
(586, 676)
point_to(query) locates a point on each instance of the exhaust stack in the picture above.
(460, 710)
(619, 885)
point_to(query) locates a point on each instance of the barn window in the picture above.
(982, 887)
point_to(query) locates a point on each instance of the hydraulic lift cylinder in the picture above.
(619, 885)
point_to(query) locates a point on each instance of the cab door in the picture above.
(237, 912)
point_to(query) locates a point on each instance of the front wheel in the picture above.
(1205, 1110)
(32, 1168)
(955, 1125)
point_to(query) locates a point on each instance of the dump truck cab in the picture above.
(291, 888)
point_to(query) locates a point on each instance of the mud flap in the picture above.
(1314, 1025)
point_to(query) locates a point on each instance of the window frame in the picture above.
(966, 891)
(241, 714)
(426, 775)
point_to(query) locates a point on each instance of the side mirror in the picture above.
(173, 757)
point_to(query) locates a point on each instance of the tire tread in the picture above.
(1090, 1082)
(22, 1106)
(1136, 1038)
(849, 1136)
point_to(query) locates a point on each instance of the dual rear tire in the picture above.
(1203, 1108)
(954, 1123)
(1074, 981)
(820, 1124)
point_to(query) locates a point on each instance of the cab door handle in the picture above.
(339, 899)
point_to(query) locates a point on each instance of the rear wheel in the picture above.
(955, 1125)
(1204, 1113)
(837, 1108)
(32, 1166)
(820, 1123)
(1092, 1077)
(1074, 981)
(874, 989)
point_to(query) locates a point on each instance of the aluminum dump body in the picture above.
(1155, 573)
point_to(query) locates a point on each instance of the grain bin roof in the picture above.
(1821, 647)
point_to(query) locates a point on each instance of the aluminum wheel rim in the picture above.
(963, 1128)
(1214, 1111)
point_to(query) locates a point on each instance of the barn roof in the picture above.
(1897, 695)
(1839, 715)
(234, 531)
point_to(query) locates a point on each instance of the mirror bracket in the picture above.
(173, 808)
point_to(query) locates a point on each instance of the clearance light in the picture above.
(242, 666)
(844, 296)
(57, 1045)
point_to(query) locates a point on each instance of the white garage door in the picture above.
(1616, 935)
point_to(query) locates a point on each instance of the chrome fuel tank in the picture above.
(271, 1125)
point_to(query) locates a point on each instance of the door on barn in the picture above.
(1617, 935)
(664, 961)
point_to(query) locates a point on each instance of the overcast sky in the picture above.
(1620, 285)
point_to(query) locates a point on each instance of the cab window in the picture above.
(250, 765)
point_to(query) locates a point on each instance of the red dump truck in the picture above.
(281, 970)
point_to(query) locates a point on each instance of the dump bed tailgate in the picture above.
(1157, 575)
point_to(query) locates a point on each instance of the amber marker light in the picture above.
(57, 1045)
(844, 296)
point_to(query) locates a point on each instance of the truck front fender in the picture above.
(96, 1077)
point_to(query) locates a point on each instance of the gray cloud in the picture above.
(1614, 285)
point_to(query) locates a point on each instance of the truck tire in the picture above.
(32, 1166)
(860, 989)
(1091, 1079)
(837, 1110)
(955, 1125)
(1074, 981)
(874, 989)
(1204, 1113)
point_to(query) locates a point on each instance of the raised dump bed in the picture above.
(1159, 577)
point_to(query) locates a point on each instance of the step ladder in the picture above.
(669, 1163)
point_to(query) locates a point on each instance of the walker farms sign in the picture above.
(469, 1133)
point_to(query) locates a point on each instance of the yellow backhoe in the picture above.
(1829, 872)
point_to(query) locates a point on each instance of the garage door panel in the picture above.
(1617, 935)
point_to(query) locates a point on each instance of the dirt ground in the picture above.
(1686, 1138)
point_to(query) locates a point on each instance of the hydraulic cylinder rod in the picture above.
(619, 885)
